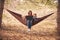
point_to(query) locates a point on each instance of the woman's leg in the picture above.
(30, 24)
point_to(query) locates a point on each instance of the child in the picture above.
(35, 16)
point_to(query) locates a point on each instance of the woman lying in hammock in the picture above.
(29, 20)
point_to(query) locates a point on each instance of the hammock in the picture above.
(23, 21)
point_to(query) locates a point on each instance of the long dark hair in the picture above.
(30, 13)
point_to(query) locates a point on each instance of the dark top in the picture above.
(29, 17)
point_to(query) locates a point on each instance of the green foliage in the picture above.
(45, 2)
(31, 2)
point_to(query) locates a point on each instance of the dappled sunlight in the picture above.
(15, 30)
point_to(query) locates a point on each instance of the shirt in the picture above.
(29, 17)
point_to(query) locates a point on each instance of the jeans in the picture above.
(29, 23)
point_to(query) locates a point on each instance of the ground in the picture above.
(12, 29)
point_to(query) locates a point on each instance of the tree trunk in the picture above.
(1, 10)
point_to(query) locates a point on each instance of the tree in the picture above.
(1, 10)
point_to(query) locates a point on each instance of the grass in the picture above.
(14, 30)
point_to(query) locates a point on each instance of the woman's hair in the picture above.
(30, 12)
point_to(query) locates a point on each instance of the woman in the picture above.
(29, 19)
